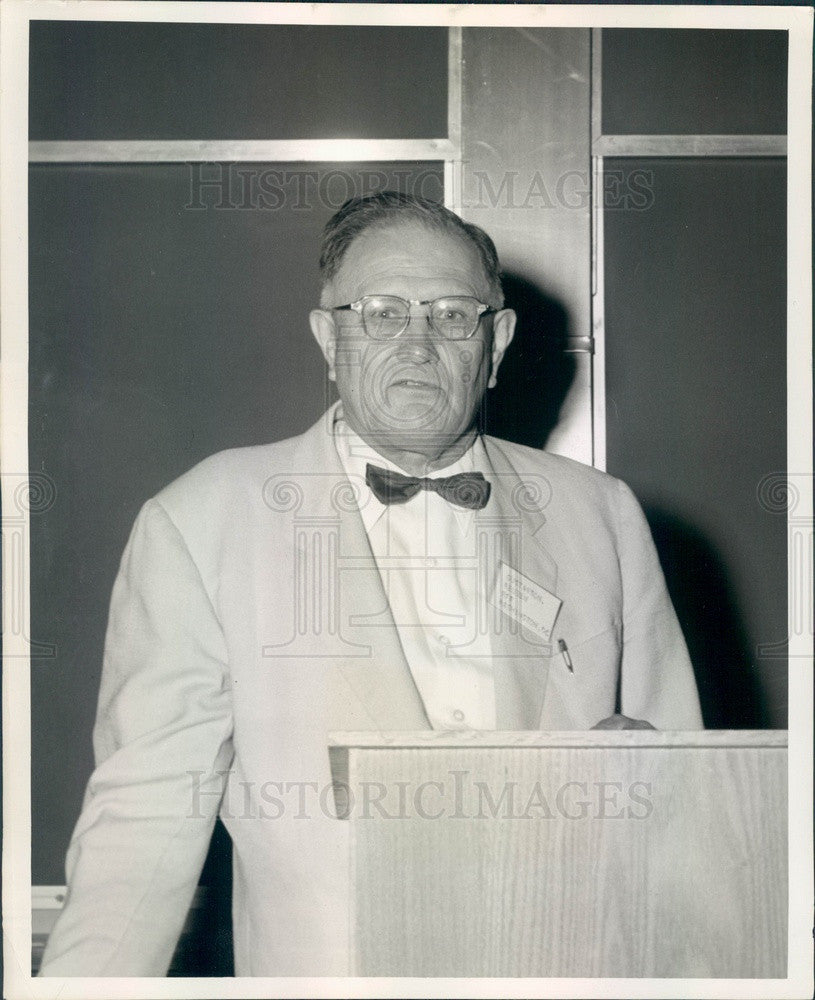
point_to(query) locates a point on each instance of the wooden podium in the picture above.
(599, 854)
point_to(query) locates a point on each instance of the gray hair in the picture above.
(390, 207)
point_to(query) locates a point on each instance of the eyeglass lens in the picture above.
(453, 317)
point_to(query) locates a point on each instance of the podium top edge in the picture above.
(591, 740)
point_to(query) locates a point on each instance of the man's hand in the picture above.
(618, 721)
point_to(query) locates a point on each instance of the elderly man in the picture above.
(390, 569)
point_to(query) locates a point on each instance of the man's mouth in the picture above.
(413, 383)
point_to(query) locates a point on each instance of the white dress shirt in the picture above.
(425, 551)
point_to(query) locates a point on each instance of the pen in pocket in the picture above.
(564, 652)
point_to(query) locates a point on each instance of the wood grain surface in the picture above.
(657, 856)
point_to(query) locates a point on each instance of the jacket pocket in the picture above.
(584, 677)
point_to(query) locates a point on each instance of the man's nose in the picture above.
(419, 338)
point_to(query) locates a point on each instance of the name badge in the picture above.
(525, 601)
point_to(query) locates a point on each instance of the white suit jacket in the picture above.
(248, 621)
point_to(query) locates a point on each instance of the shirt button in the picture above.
(458, 715)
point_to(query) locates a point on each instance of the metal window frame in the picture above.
(598, 314)
(238, 150)
(446, 149)
(690, 145)
(603, 145)
(453, 179)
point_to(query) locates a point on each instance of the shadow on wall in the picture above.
(524, 407)
(729, 688)
(536, 374)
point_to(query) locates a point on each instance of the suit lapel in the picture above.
(516, 526)
(373, 662)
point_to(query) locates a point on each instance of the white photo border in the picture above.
(15, 16)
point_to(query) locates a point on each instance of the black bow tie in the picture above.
(467, 489)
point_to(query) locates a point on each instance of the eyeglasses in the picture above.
(385, 317)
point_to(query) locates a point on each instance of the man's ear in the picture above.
(503, 330)
(325, 333)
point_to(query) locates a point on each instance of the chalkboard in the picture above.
(689, 81)
(129, 80)
(162, 329)
(695, 285)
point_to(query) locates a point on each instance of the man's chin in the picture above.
(421, 440)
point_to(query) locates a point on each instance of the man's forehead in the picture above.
(411, 249)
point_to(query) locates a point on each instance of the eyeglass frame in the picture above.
(359, 305)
